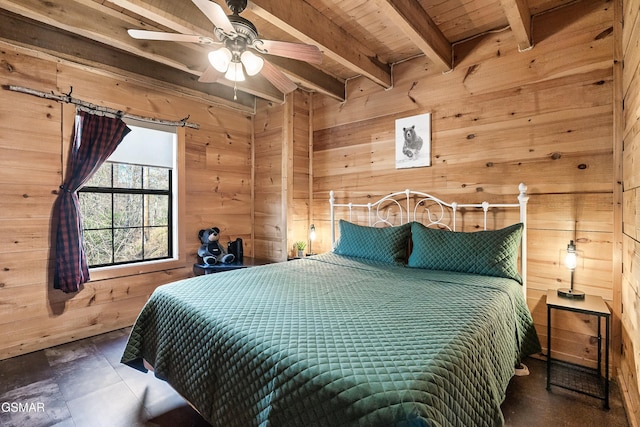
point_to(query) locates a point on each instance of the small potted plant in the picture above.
(300, 245)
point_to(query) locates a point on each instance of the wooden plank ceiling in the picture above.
(356, 37)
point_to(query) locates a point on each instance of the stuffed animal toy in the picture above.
(211, 251)
(412, 142)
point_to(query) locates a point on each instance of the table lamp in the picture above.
(312, 237)
(570, 262)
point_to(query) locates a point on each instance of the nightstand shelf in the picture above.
(580, 379)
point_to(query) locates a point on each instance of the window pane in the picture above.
(127, 176)
(95, 209)
(156, 178)
(156, 210)
(127, 210)
(156, 244)
(102, 177)
(127, 244)
(97, 245)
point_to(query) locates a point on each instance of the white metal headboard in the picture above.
(407, 206)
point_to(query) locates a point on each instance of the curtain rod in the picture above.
(93, 107)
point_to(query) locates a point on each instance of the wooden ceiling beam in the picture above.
(306, 24)
(519, 17)
(414, 21)
(181, 16)
(310, 77)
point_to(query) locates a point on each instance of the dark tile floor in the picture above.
(83, 384)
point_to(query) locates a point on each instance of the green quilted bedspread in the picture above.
(332, 341)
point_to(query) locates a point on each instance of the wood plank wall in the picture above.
(299, 207)
(543, 117)
(271, 161)
(218, 191)
(630, 362)
(282, 176)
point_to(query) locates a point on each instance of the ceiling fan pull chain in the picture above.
(235, 90)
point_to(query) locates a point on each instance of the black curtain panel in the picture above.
(95, 138)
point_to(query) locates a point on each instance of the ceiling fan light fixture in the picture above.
(220, 59)
(235, 73)
(235, 35)
(252, 62)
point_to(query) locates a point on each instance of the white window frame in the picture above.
(179, 242)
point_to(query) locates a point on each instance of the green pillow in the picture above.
(387, 244)
(491, 253)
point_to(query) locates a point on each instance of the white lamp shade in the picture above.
(235, 73)
(220, 59)
(312, 233)
(571, 260)
(252, 63)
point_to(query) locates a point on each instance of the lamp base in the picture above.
(570, 293)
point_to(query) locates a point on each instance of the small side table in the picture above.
(575, 377)
(200, 269)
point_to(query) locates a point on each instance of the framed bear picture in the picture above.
(413, 141)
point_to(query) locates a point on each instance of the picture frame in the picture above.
(413, 141)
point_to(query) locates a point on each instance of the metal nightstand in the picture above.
(575, 377)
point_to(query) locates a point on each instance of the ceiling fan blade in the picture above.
(277, 78)
(210, 75)
(215, 14)
(173, 37)
(299, 51)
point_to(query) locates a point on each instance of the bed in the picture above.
(365, 335)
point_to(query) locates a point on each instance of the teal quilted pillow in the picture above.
(387, 244)
(491, 253)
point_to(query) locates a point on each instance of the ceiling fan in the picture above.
(237, 37)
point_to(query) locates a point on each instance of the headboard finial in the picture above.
(522, 188)
(523, 197)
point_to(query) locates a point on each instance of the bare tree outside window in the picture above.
(127, 214)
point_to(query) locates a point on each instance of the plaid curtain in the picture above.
(94, 139)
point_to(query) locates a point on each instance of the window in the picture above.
(129, 207)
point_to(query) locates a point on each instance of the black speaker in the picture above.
(235, 248)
